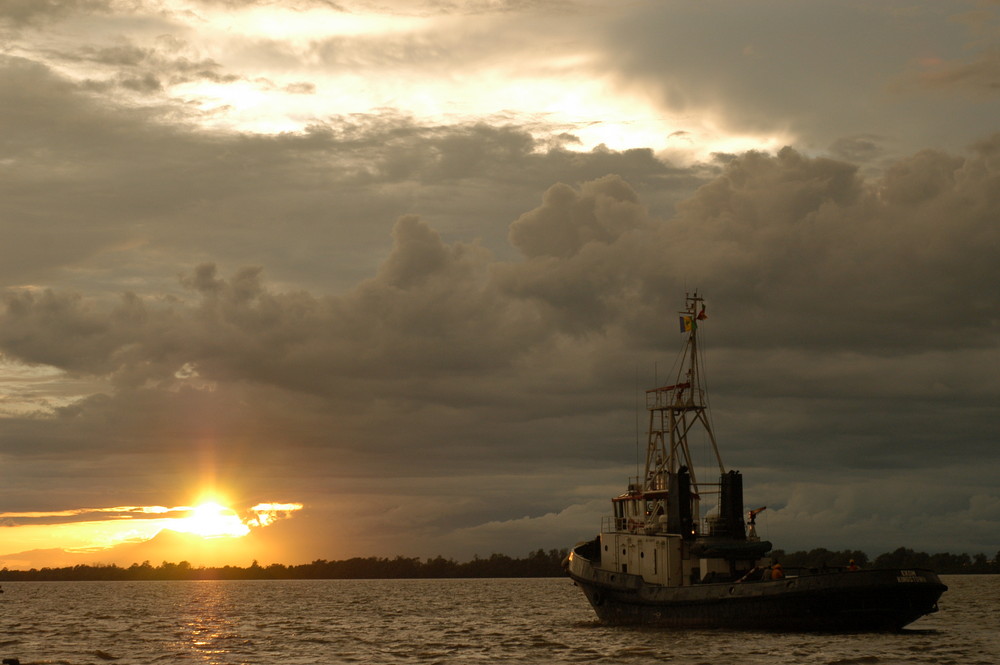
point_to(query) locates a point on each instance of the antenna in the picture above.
(637, 420)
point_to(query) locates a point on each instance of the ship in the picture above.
(657, 561)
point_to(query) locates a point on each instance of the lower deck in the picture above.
(867, 600)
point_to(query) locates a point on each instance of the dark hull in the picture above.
(858, 601)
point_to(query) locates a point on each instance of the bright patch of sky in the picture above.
(38, 390)
(268, 69)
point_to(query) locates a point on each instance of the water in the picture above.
(389, 622)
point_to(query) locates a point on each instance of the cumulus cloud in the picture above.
(806, 233)
(568, 220)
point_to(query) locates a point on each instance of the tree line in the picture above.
(943, 562)
(537, 564)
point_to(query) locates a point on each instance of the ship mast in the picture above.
(677, 408)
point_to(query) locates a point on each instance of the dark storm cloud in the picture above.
(812, 235)
(777, 67)
(753, 58)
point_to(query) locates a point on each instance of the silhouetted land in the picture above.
(944, 562)
(537, 564)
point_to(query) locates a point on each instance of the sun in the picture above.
(211, 520)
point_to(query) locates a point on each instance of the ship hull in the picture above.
(856, 601)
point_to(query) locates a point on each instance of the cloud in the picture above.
(875, 511)
(549, 531)
(980, 76)
(485, 359)
(23, 12)
(567, 221)
(769, 71)
(150, 70)
(330, 194)
(387, 301)
(807, 233)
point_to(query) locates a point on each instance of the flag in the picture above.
(702, 315)
(687, 324)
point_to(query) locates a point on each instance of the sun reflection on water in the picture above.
(210, 626)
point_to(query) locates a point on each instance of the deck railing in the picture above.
(612, 524)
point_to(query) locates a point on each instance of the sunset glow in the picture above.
(99, 531)
(210, 520)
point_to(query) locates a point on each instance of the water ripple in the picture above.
(432, 622)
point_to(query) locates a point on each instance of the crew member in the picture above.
(776, 572)
(852, 565)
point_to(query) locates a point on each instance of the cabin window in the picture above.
(619, 515)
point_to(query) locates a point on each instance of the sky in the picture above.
(317, 279)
